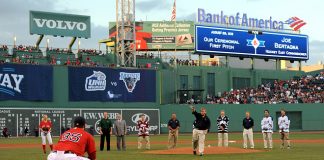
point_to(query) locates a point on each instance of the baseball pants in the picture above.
(173, 138)
(222, 137)
(140, 141)
(46, 136)
(267, 138)
(198, 140)
(248, 135)
(284, 136)
(59, 155)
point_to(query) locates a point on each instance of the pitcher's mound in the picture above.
(208, 150)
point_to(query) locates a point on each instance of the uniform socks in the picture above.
(44, 148)
(51, 146)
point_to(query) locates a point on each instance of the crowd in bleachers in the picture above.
(23, 48)
(3, 48)
(90, 51)
(59, 51)
(183, 62)
(306, 89)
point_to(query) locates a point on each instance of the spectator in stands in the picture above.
(68, 62)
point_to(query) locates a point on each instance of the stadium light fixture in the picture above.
(47, 42)
(15, 40)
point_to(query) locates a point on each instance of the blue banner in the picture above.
(26, 82)
(249, 43)
(107, 84)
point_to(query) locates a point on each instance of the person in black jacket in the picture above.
(202, 126)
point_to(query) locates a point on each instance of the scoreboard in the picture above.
(18, 119)
(250, 43)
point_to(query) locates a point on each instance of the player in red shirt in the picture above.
(45, 127)
(74, 143)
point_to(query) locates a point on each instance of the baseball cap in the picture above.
(79, 122)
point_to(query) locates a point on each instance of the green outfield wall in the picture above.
(304, 117)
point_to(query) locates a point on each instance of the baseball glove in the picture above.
(45, 129)
(223, 125)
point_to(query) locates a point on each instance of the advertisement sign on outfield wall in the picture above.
(26, 82)
(115, 85)
(18, 119)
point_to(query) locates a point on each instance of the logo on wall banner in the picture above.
(10, 82)
(130, 80)
(255, 43)
(96, 82)
(136, 117)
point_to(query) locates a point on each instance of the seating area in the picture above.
(55, 56)
(305, 89)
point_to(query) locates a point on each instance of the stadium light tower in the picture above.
(125, 38)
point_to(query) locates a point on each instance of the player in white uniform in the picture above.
(284, 123)
(267, 129)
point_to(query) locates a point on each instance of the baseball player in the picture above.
(248, 124)
(201, 128)
(222, 126)
(267, 129)
(74, 143)
(45, 128)
(284, 123)
(143, 132)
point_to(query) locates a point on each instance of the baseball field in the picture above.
(305, 146)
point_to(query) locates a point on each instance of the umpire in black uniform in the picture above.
(199, 132)
(105, 131)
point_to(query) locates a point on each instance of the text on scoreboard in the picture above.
(248, 43)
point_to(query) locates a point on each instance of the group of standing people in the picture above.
(76, 141)
(106, 128)
(202, 126)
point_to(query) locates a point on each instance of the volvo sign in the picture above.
(58, 24)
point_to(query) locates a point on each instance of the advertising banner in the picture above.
(26, 82)
(17, 120)
(161, 35)
(250, 43)
(106, 84)
(59, 24)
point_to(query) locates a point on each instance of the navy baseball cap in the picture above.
(79, 122)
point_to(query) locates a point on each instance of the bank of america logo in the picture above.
(295, 23)
(255, 43)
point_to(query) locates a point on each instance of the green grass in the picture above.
(299, 151)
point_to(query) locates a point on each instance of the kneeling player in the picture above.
(74, 143)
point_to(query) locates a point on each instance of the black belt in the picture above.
(65, 152)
